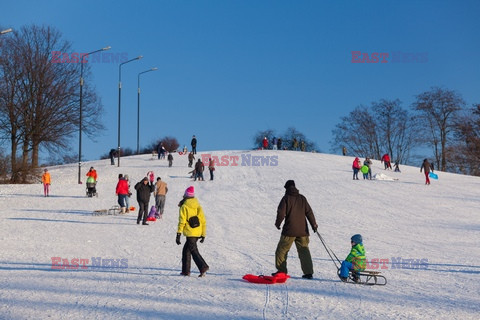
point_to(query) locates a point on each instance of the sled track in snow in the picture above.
(267, 300)
(268, 297)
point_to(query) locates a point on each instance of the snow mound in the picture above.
(384, 177)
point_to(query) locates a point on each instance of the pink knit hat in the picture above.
(190, 192)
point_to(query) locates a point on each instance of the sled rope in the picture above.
(330, 252)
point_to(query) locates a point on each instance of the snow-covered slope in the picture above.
(438, 225)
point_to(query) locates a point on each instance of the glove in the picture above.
(315, 227)
(278, 227)
(202, 239)
(178, 239)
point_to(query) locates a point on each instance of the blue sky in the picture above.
(227, 69)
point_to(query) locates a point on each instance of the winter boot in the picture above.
(203, 271)
(355, 277)
(123, 210)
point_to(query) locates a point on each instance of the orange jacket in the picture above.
(93, 174)
(46, 178)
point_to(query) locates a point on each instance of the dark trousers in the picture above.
(190, 250)
(355, 173)
(122, 200)
(194, 149)
(142, 211)
(211, 174)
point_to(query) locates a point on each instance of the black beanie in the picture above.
(289, 183)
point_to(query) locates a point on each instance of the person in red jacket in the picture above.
(122, 192)
(356, 167)
(265, 143)
(386, 161)
(92, 173)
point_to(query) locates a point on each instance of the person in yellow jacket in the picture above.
(192, 223)
(46, 182)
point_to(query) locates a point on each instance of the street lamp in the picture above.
(80, 121)
(120, 99)
(6, 31)
(138, 107)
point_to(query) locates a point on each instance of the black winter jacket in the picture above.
(144, 191)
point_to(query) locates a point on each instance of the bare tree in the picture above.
(394, 129)
(437, 109)
(358, 133)
(170, 143)
(42, 107)
(372, 131)
(463, 154)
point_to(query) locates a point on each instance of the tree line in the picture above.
(438, 119)
(39, 100)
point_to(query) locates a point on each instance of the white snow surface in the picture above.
(398, 219)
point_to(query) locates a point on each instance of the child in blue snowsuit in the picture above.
(355, 260)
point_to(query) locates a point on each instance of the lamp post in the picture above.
(120, 99)
(80, 120)
(6, 31)
(138, 108)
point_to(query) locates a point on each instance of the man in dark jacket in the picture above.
(144, 189)
(427, 167)
(294, 208)
(199, 167)
(194, 145)
(112, 155)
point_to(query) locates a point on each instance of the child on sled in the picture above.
(355, 261)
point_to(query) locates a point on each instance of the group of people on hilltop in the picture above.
(276, 144)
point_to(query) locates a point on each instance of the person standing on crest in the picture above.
(194, 144)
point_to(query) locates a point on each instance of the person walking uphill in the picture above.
(295, 210)
(427, 167)
(46, 180)
(193, 225)
(92, 175)
(161, 190)
(143, 197)
(211, 167)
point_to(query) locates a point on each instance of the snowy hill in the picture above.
(438, 226)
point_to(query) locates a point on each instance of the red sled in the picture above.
(280, 277)
(151, 219)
